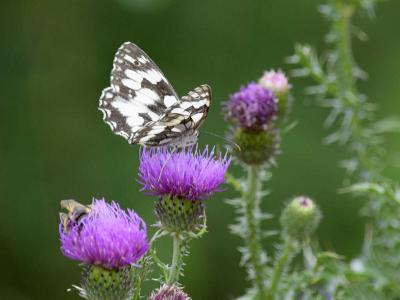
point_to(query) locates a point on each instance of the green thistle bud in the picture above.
(256, 147)
(300, 218)
(102, 284)
(178, 215)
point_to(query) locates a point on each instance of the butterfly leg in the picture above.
(165, 164)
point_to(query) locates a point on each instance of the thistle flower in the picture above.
(275, 81)
(182, 179)
(107, 236)
(187, 174)
(167, 292)
(108, 241)
(252, 111)
(252, 107)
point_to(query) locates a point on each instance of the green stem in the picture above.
(280, 266)
(345, 61)
(252, 214)
(136, 294)
(176, 264)
(347, 90)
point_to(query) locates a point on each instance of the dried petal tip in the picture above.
(185, 174)
(252, 107)
(300, 218)
(167, 292)
(275, 81)
(106, 236)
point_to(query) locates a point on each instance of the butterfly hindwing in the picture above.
(179, 124)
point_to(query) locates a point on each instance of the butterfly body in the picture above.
(142, 106)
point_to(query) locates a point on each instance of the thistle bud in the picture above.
(275, 81)
(279, 84)
(177, 215)
(300, 218)
(256, 147)
(167, 292)
(99, 283)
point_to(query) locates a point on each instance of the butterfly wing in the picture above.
(179, 124)
(139, 93)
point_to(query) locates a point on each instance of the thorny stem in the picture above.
(252, 212)
(344, 65)
(136, 294)
(346, 85)
(176, 264)
(280, 266)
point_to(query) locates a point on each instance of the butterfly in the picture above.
(143, 107)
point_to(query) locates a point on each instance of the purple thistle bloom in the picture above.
(252, 107)
(107, 236)
(185, 174)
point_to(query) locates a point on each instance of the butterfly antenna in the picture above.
(229, 141)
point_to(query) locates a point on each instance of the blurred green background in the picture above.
(55, 58)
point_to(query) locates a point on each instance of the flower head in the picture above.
(275, 81)
(252, 107)
(107, 236)
(186, 174)
(167, 292)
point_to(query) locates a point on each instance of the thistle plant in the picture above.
(355, 127)
(182, 179)
(299, 220)
(255, 127)
(110, 243)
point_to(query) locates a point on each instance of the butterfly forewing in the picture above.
(143, 107)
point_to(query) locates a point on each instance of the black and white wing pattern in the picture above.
(142, 106)
(178, 126)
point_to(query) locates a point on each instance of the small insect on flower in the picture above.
(143, 107)
(76, 213)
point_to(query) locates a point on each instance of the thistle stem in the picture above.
(280, 266)
(252, 214)
(176, 264)
(345, 62)
(136, 294)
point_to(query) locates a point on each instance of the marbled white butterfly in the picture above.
(142, 106)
